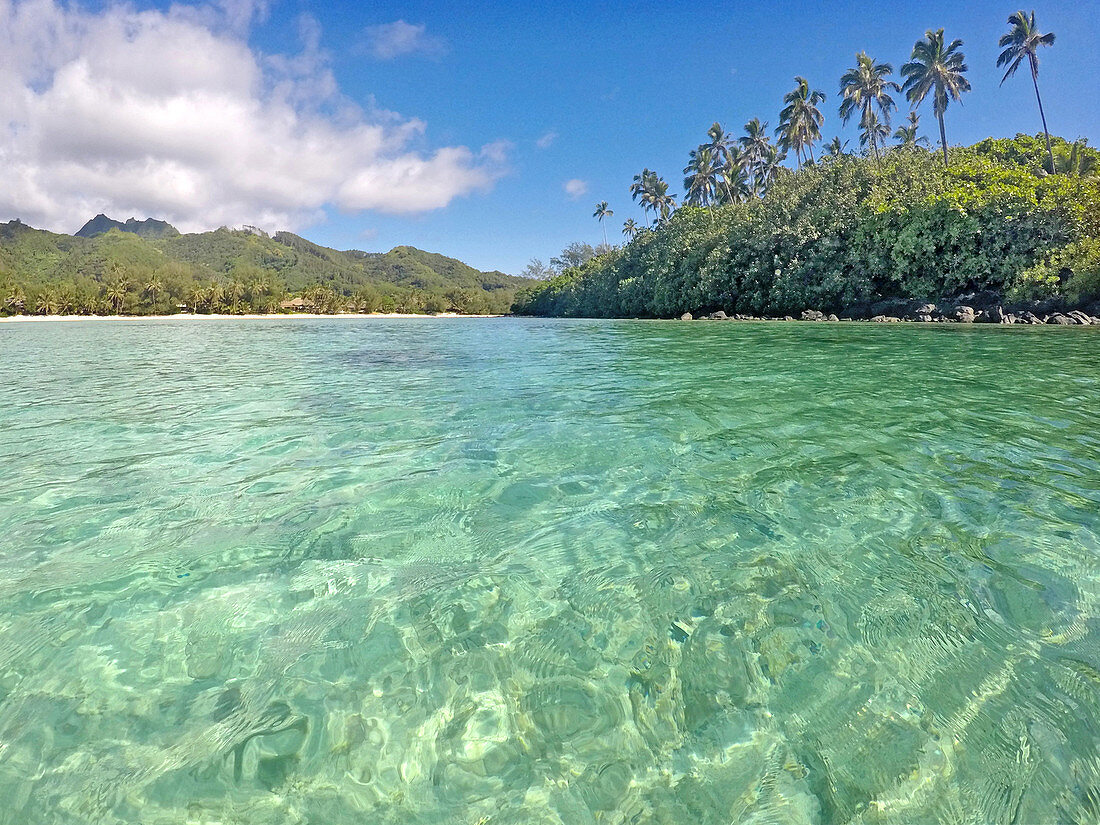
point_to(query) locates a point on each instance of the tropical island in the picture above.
(1003, 230)
(147, 267)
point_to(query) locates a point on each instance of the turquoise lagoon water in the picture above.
(523, 571)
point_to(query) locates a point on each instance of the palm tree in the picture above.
(874, 131)
(770, 167)
(835, 147)
(754, 149)
(1076, 162)
(800, 121)
(907, 135)
(631, 228)
(257, 289)
(66, 301)
(638, 187)
(47, 303)
(602, 212)
(116, 295)
(864, 88)
(1024, 40)
(721, 148)
(735, 180)
(701, 181)
(657, 197)
(15, 301)
(214, 296)
(153, 286)
(235, 291)
(934, 66)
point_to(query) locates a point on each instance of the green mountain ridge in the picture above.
(111, 266)
(148, 228)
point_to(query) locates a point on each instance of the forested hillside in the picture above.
(849, 230)
(118, 270)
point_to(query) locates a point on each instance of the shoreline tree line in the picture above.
(233, 272)
(728, 245)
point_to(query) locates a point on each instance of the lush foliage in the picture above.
(234, 271)
(854, 229)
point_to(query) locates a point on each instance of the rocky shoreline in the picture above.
(976, 308)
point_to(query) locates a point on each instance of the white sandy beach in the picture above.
(183, 316)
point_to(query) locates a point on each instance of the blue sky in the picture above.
(523, 98)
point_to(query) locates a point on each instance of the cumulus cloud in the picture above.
(389, 40)
(546, 140)
(575, 188)
(171, 114)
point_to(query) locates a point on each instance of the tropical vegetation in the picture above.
(230, 271)
(1015, 216)
(850, 230)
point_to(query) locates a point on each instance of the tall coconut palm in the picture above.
(257, 292)
(214, 297)
(771, 166)
(734, 178)
(234, 292)
(631, 228)
(602, 212)
(865, 88)
(66, 301)
(754, 149)
(1023, 40)
(800, 121)
(874, 132)
(934, 66)
(15, 301)
(907, 137)
(721, 146)
(701, 177)
(153, 286)
(47, 303)
(638, 187)
(754, 142)
(656, 197)
(116, 295)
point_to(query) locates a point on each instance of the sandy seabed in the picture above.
(184, 316)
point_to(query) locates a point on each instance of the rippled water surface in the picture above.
(520, 571)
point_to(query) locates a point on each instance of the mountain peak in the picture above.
(148, 228)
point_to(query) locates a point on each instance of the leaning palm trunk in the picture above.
(1042, 115)
(943, 138)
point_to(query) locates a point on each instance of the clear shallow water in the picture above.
(520, 571)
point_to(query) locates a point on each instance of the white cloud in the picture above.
(389, 40)
(546, 140)
(170, 114)
(575, 188)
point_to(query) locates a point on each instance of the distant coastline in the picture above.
(274, 316)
